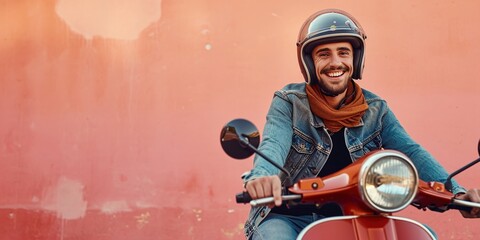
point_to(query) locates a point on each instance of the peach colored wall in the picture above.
(111, 110)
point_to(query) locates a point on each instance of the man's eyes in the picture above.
(327, 54)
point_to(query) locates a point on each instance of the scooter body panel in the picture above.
(366, 228)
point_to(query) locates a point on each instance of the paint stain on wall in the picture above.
(115, 19)
(142, 220)
(66, 199)
(112, 207)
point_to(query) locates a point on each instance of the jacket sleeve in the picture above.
(395, 137)
(277, 138)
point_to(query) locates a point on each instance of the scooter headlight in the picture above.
(388, 181)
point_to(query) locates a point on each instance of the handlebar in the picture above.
(244, 198)
(463, 205)
(267, 200)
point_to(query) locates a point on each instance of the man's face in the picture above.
(333, 66)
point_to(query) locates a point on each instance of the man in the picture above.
(321, 126)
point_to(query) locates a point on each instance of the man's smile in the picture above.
(335, 73)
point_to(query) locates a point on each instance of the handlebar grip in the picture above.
(243, 197)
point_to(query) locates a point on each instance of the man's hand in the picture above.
(265, 187)
(472, 195)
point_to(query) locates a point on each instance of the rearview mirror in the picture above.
(233, 135)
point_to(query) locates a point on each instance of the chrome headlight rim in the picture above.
(369, 163)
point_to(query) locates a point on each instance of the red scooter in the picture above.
(368, 191)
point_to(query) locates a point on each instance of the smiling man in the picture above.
(322, 125)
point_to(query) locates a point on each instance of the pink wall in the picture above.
(111, 110)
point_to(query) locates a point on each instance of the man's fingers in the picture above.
(277, 190)
(266, 187)
(251, 190)
(472, 195)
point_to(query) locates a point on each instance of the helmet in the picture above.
(327, 26)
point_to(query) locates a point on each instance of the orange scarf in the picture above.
(348, 115)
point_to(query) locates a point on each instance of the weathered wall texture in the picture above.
(110, 110)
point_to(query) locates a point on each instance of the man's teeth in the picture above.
(335, 74)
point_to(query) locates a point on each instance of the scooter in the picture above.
(368, 191)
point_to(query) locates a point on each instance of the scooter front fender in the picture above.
(366, 228)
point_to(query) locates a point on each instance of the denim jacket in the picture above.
(299, 141)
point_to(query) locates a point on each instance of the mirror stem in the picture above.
(244, 140)
(448, 183)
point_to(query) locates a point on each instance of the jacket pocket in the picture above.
(372, 143)
(302, 148)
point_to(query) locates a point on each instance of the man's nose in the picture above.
(336, 60)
